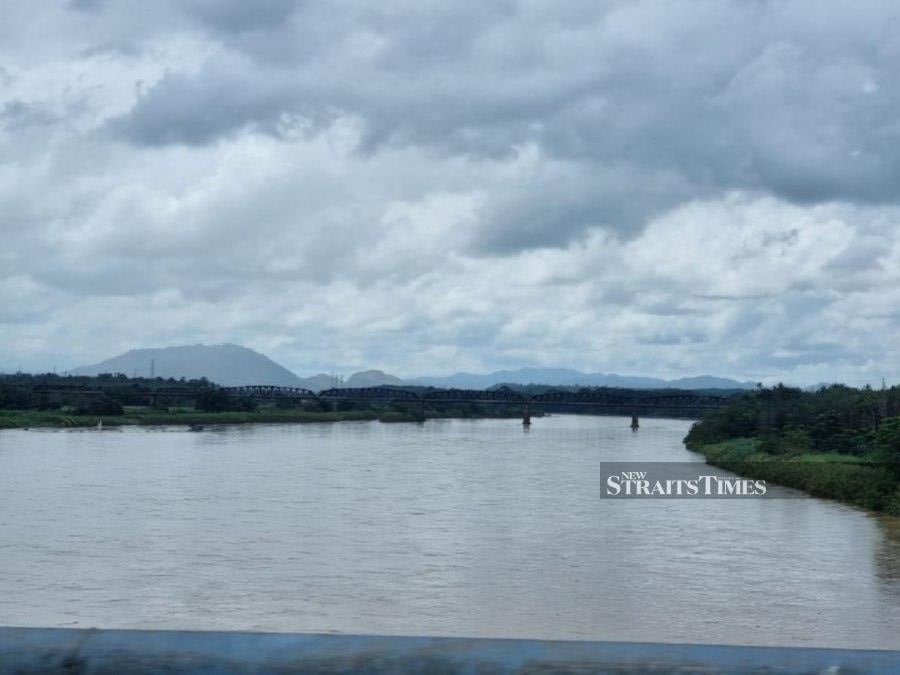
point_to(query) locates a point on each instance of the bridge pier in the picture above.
(635, 424)
(526, 416)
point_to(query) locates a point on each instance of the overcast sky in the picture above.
(662, 188)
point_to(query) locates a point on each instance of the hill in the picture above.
(372, 378)
(568, 377)
(318, 382)
(232, 365)
(229, 365)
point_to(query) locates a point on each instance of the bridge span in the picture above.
(630, 402)
(585, 398)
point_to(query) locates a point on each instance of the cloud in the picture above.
(234, 16)
(653, 187)
(650, 104)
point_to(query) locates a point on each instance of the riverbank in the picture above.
(846, 478)
(25, 419)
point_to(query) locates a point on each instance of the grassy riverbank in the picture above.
(26, 419)
(21, 419)
(837, 443)
(853, 480)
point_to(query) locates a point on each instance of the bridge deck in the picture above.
(586, 399)
(489, 397)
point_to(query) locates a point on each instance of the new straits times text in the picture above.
(674, 480)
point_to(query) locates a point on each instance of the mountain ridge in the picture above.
(234, 365)
(226, 364)
(571, 377)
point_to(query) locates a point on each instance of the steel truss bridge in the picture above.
(586, 398)
(616, 402)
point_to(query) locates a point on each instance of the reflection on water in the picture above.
(450, 528)
(887, 557)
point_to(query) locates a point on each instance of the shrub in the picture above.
(100, 405)
(216, 400)
(318, 405)
(787, 442)
(887, 442)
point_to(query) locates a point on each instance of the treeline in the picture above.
(790, 421)
(77, 394)
(838, 442)
(107, 395)
(634, 400)
(637, 394)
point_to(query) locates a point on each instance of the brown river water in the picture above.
(453, 527)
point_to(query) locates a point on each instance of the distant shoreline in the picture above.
(26, 419)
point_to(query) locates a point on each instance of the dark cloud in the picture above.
(17, 115)
(85, 5)
(556, 201)
(238, 16)
(196, 111)
(706, 98)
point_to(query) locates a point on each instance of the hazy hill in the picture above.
(232, 365)
(371, 378)
(228, 365)
(568, 377)
(318, 382)
(364, 378)
(709, 382)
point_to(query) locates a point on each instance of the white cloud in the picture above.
(665, 188)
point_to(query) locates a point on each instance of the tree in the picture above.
(217, 400)
(887, 440)
(100, 405)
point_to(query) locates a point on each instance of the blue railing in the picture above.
(96, 652)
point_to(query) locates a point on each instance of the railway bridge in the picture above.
(634, 401)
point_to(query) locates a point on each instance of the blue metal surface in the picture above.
(77, 652)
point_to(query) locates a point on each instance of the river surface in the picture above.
(454, 527)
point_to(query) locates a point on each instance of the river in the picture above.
(453, 527)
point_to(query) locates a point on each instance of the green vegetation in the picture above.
(49, 391)
(17, 419)
(643, 397)
(216, 400)
(24, 419)
(53, 401)
(839, 442)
